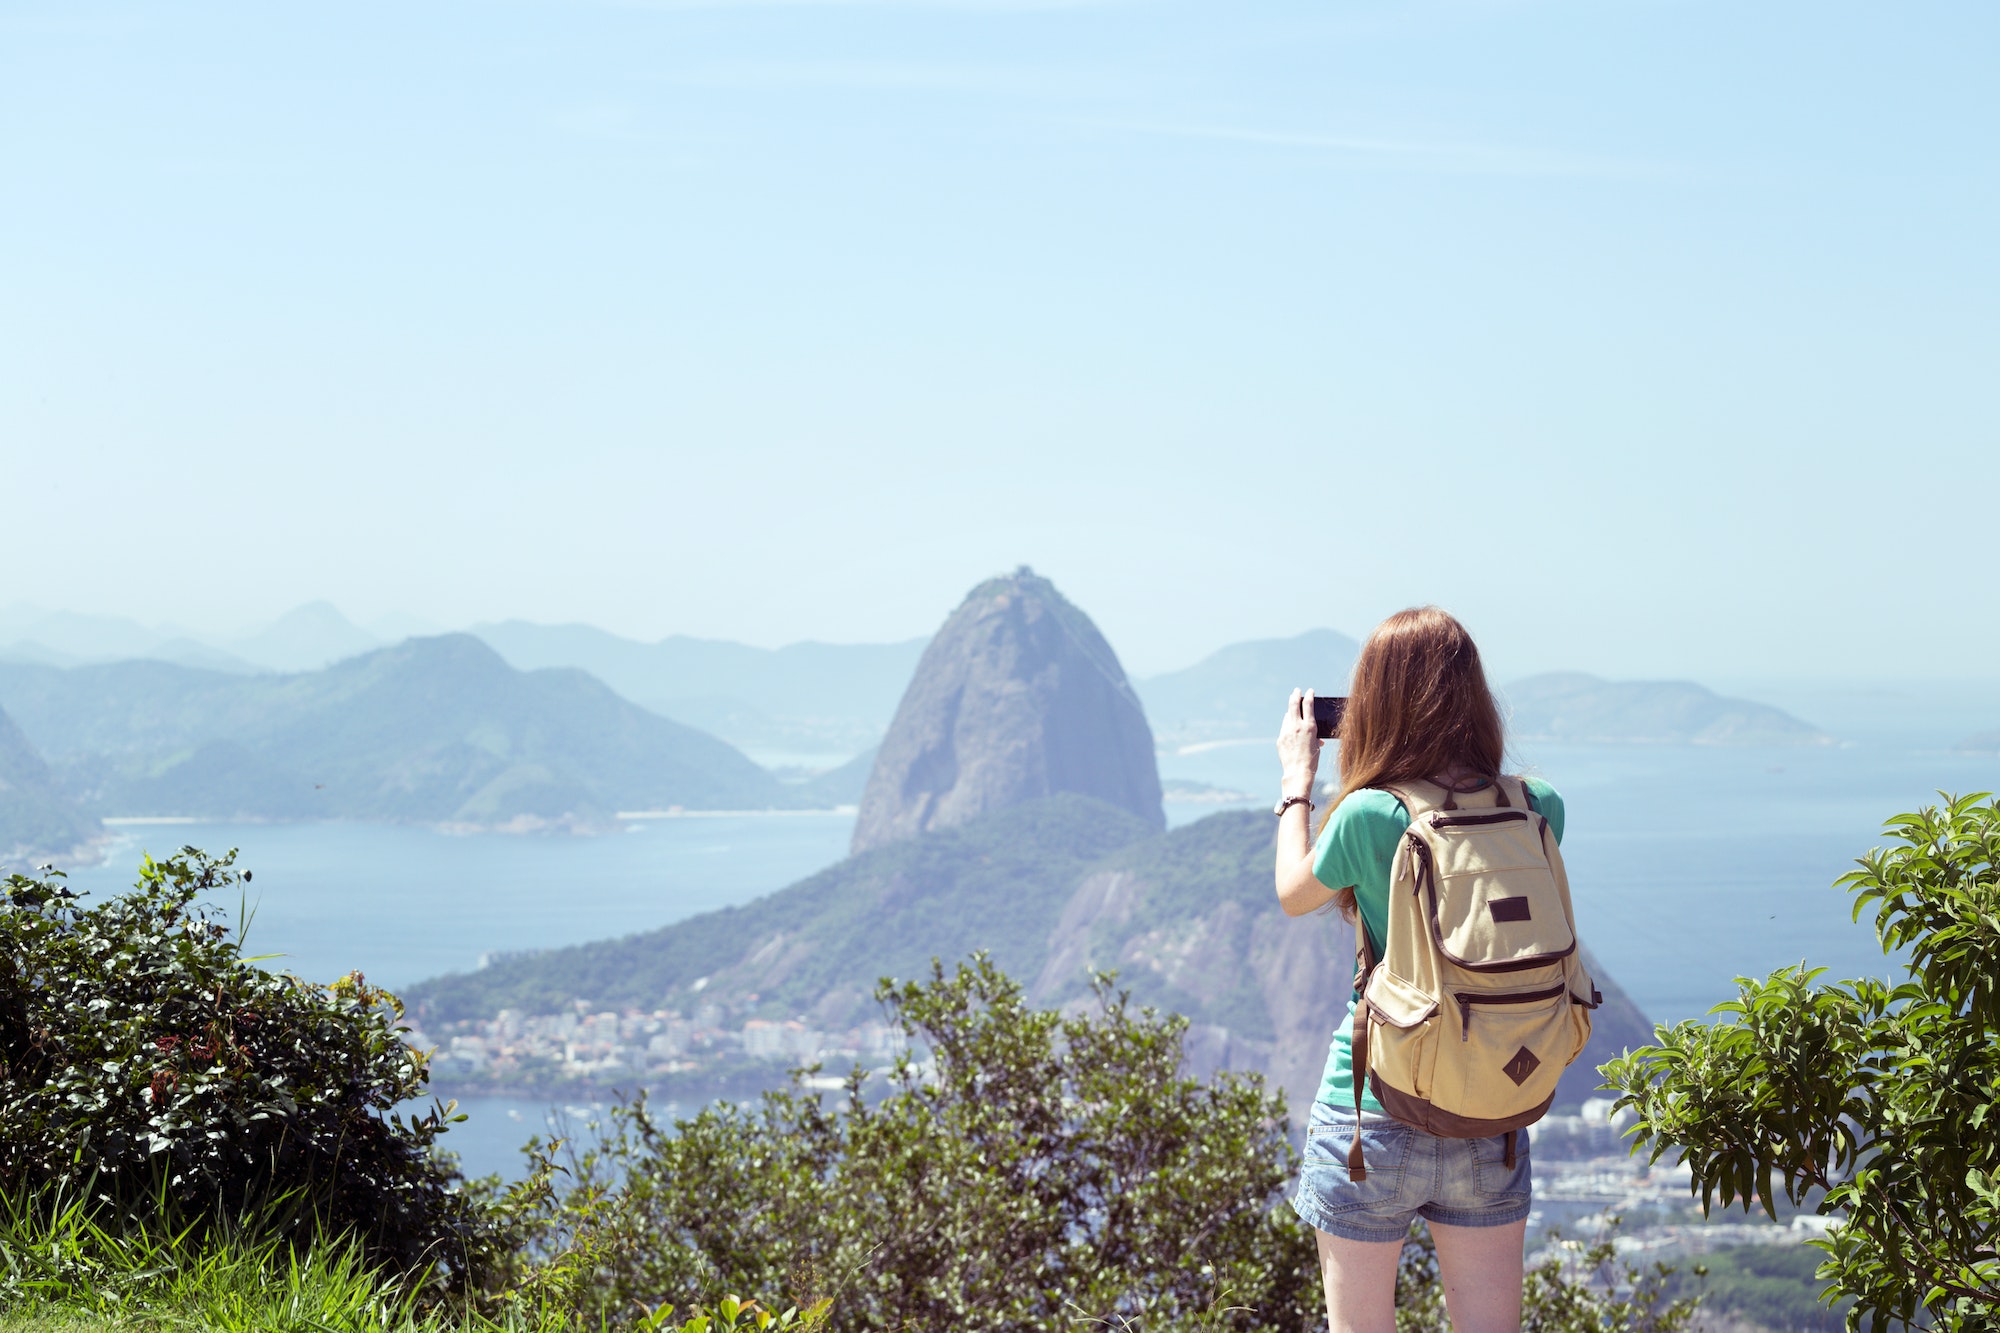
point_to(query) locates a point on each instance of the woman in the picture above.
(1418, 710)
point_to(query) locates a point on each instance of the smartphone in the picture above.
(1327, 714)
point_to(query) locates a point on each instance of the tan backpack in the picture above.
(1481, 1002)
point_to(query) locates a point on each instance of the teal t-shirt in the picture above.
(1355, 849)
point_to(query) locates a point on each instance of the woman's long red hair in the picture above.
(1418, 708)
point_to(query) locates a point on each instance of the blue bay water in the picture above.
(1691, 866)
(403, 903)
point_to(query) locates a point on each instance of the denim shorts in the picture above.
(1411, 1174)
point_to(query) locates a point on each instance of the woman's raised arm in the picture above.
(1299, 890)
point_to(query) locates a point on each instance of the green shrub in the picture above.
(1885, 1097)
(1043, 1172)
(147, 1065)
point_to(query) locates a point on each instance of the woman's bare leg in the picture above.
(1481, 1267)
(1360, 1280)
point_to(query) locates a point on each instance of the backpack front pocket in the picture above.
(1514, 1046)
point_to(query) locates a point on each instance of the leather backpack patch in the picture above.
(1521, 1066)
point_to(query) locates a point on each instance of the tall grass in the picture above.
(61, 1267)
(63, 1271)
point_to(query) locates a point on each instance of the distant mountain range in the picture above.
(805, 697)
(1576, 708)
(1051, 889)
(1238, 691)
(820, 699)
(565, 725)
(303, 639)
(436, 730)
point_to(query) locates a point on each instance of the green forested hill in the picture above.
(437, 729)
(35, 818)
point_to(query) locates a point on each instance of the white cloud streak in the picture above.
(1469, 159)
(963, 6)
(999, 80)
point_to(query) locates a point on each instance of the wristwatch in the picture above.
(1290, 801)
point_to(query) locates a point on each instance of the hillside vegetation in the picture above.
(36, 819)
(437, 729)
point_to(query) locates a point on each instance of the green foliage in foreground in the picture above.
(1048, 1172)
(189, 1142)
(1045, 1172)
(1886, 1097)
(146, 1065)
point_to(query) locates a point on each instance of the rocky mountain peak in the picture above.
(1018, 697)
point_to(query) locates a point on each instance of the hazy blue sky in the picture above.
(1654, 338)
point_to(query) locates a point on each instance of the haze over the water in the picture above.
(1653, 339)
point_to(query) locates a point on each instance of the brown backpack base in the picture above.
(1433, 1120)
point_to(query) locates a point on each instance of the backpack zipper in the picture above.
(1466, 1001)
(1419, 851)
(1441, 820)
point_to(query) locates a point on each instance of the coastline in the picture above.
(699, 1086)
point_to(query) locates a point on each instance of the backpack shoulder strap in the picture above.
(1357, 1062)
(1418, 797)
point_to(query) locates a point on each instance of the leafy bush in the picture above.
(1886, 1097)
(146, 1065)
(1039, 1172)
